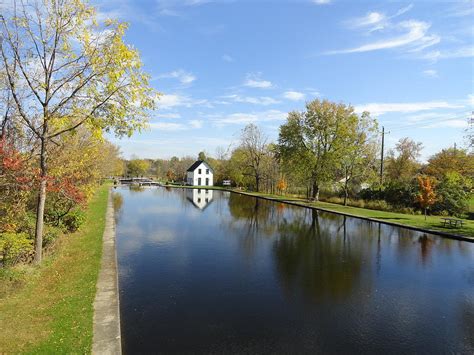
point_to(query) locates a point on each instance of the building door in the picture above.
(207, 181)
(199, 181)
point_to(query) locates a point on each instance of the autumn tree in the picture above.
(64, 70)
(253, 144)
(451, 160)
(426, 196)
(281, 185)
(137, 167)
(316, 139)
(402, 163)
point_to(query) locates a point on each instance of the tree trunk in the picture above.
(315, 192)
(346, 193)
(425, 213)
(257, 183)
(40, 205)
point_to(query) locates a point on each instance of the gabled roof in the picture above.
(197, 163)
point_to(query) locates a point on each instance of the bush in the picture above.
(13, 246)
(73, 220)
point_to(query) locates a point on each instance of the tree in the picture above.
(281, 185)
(359, 156)
(403, 166)
(137, 167)
(253, 146)
(453, 194)
(202, 156)
(451, 160)
(65, 70)
(317, 139)
(426, 196)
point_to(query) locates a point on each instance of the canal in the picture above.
(203, 271)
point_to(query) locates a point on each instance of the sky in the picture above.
(220, 65)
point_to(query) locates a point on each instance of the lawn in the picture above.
(51, 311)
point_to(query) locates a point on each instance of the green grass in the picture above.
(50, 308)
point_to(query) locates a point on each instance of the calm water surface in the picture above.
(216, 272)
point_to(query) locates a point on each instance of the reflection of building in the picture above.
(200, 174)
(200, 198)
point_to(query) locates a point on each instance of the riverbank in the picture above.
(433, 224)
(51, 310)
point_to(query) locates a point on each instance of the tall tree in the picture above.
(65, 70)
(358, 162)
(317, 139)
(402, 164)
(253, 144)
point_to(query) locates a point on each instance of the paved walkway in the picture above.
(106, 338)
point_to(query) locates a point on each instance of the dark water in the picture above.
(226, 273)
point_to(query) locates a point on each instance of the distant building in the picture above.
(200, 174)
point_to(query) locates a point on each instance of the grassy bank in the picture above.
(51, 310)
(433, 223)
(418, 221)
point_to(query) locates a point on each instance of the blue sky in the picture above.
(223, 64)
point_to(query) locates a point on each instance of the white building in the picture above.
(200, 174)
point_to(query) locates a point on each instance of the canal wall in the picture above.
(106, 327)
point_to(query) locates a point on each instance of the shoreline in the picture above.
(304, 204)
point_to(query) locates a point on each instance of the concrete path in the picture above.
(106, 338)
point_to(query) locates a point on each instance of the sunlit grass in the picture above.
(51, 309)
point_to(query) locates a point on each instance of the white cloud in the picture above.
(454, 123)
(169, 101)
(378, 109)
(430, 73)
(245, 118)
(261, 100)
(294, 95)
(183, 76)
(196, 123)
(416, 36)
(168, 115)
(460, 52)
(227, 58)
(255, 81)
(372, 18)
(167, 126)
(322, 2)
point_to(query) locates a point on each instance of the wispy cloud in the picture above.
(247, 117)
(430, 73)
(321, 2)
(260, 100)
(415, 37)
(254, 80)
(169, 101)
(196, 123)
(183, 76)
(378, 109)
(460, 52)
(294, 95)
(174, 126)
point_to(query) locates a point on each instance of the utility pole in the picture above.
(381, 156)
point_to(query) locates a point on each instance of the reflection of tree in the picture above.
(258, 216)
(314, 261)
(426, 245)
(467, 311)
(136, 189)
(117, 202)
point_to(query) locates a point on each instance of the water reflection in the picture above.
(237, 274)
(200, 198)
(314, 262)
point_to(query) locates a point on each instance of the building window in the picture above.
(207, 171)
(199, 171)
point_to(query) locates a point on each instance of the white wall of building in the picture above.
(201, 176)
